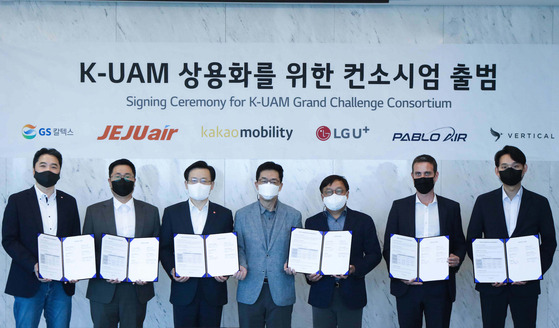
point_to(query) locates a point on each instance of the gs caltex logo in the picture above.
(28, 131)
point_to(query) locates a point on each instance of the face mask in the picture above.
(46, 178)
(199, 191)
(335, 202)
(122, 187)
(424, 185)
(510, 176)
(268, 191)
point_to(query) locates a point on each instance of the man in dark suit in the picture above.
(338, 301)
(113, 301)
(40, 209)
(197, 302)
(512, 211)
(426, 215)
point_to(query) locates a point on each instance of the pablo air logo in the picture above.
(28, 131)
(324, 133)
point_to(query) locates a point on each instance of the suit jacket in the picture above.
(365, 255)
(534, 218)
(176, 219)
(22, 223)
(256, 258)
(401, 220)
(99, 220)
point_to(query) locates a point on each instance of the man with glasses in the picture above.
(512, 211)
(114, 301)
(39, 209)
(197, 302)
(266, 290)
(338, 301)
(425, 214)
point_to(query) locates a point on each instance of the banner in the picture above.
(167, 100)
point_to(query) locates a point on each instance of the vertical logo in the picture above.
(323, 133)
(28, 131)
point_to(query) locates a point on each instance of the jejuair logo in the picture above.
(28, 131)
(495, 134)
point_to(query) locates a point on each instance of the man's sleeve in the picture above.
(547, 234)
(240, 240)
(371, 250)
(457, 239)
(391, 228)
(166, 246)
(475, 227)
(11, 239)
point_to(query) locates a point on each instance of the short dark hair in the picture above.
(330, 179)
(425, 158)
(47, 151)
(516, 154)
(270, 166)
(199, 165)
(122, 161)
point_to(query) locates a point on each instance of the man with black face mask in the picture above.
(40, 209)
(426, 215)
(512, 211)
(114, 301)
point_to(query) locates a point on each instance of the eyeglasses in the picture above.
(515, 166)
(330, 192)
(118, 176)
(272, 181)
(196, 180)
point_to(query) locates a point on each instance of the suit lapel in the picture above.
(139, 210)
(187, 225)
(279, 224)
(523, 211)
(61, 226)
(443, 214)
(109, 216)
(211, 219)
(500, 219)
(348, 220)
(35, 209)
(255, 220)
(410, 217)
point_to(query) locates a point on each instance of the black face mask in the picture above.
(122, 187)
(510, 176)
(424, 185)
(46, 178)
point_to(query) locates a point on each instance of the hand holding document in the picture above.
(129, 259)
(506, 260)
(320, 252)
(421, 259)
(66, 259)
(205, 256)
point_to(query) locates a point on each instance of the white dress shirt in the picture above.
(198, 217)
(49, 214)
(426, 218)
(511, 208)
(125, 218)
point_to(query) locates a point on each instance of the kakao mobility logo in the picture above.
(28, 131)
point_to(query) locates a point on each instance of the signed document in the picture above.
(507, 260)
(420, 259)
(322, 252)
(67, 258)
(129, 259)
(205, 256)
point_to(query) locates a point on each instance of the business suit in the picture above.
(365, 256)
(401, 220)
(176, 219)
(488, 221)
(258, 258)
(99, 220)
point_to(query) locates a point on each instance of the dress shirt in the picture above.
(426, 218)
(336, 224)
(125, 218)
(511, 208)
(198, 217)
(49, 214)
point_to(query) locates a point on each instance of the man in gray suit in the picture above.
(266, 290)
(113, 301)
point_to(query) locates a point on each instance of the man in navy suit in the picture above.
(266, 290)
(426, 215)
(40, 209)
(197, 302)
(338, 301)
(512, 211)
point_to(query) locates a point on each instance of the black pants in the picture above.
(124, 308)
(431, 300)
(264, 312)
(524, 310)
(199, 313)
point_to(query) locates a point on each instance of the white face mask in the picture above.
(335, 202)
(268, 190)
(199, 191)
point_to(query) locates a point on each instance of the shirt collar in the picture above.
(342, 215)
(193, 207)
(417, 201)
(129, 203)
(41, 195)
(263, 209)
(504, 195)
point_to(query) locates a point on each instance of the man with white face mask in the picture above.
(197, 302)
(266, 290)
(338, 301)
